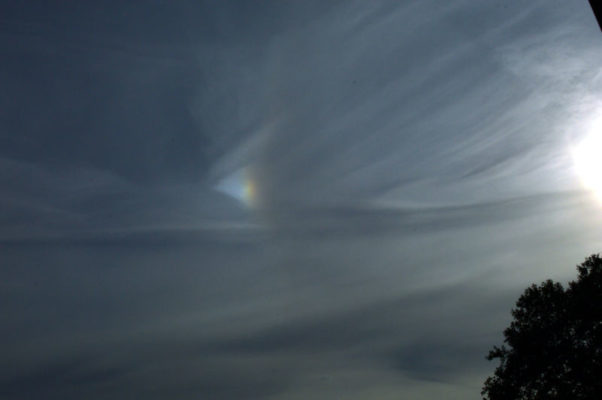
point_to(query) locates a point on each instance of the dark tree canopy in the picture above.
(553, 347)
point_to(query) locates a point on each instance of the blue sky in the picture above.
(282, 200)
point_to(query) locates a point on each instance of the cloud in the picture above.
(410, 170)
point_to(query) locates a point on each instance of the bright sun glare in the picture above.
(587, 156)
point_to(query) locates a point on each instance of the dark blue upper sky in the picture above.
(286, 199)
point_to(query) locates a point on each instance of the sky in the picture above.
(286, 199)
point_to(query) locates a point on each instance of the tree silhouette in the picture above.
(553, 347)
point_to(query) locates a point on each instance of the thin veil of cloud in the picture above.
(282, 200)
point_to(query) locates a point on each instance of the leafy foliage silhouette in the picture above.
(553, 347)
